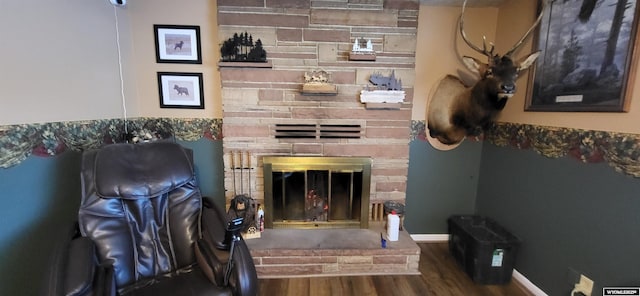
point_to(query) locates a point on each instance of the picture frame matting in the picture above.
(181, 90)
(177, 44)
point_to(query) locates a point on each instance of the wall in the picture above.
(146, 13)
(60, 61)
(441, 184)
(65, 66)
(568, 214)
(37, 205)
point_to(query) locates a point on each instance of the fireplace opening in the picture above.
(316, 192)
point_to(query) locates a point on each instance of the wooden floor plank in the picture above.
(440, 276)
(299, 286)
(324, 286)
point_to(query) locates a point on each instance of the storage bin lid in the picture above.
(483, 229)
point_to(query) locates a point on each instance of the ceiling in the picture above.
(470, 3)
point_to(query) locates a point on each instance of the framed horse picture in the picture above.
(177, 44)
(180, 90)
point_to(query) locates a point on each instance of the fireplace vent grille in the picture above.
(318, 131)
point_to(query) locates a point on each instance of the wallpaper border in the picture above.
(17, 142)
(619, 150)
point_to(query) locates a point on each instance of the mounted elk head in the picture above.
(456, 111)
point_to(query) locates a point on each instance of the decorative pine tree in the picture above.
(241, 48)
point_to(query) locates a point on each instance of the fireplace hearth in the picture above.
(316, 192)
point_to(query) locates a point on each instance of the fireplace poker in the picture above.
(233, 169)
(249, 171)
(241, 177)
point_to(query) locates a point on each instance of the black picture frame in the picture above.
(587, 61)
(181, 90)
(177, 44)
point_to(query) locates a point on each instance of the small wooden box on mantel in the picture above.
(319, 90)
(358, 56)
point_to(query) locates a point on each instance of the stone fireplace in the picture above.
(275, 127)
(266, 115)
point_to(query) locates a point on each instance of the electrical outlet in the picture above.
(585, 285)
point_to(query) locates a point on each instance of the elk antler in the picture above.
(489, 52)
(528, 32)
(484, 50)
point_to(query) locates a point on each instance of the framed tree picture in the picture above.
(177, 44)
(587, 60)
(181, 90)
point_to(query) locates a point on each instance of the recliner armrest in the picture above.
(207, 247)
(73, 268)
(81, 267)
(213, 221)
(209, 262)
(83, 274)
(244, 278)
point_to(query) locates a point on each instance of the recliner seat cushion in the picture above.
(186, 282)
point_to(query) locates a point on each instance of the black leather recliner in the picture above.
(144, 229)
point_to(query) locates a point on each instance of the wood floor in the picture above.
(440, 276)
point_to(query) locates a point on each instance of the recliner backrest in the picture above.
(141, 206)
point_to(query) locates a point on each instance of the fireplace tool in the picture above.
(242, 205)
(232, 235)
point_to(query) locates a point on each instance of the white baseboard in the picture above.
(527, 284)
(520, 278)
(430, 237)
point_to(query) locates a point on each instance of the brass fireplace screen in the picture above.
(316, 192)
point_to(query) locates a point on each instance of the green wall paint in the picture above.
(440, 184)
(39, 198)
(209, 168)
(568, 214)
(39, 201)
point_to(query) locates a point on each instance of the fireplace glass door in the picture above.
(304, 192)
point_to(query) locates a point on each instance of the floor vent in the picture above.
(318, 131)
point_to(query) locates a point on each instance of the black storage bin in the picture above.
(485, 250)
